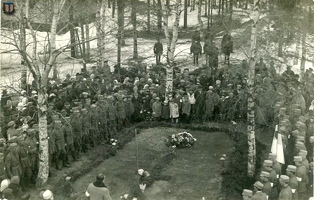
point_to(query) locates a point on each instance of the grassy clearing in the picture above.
(194, 172)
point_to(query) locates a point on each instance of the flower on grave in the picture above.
(181, 140)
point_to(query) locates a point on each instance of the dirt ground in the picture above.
(195, 171)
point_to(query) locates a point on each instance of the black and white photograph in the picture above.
(156, 99)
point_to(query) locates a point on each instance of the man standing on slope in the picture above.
(98, 190)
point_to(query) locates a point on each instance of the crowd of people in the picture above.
(89, 109)
(294, 119)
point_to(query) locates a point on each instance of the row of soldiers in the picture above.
(289, 177)
(273, 185)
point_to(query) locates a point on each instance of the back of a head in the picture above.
(100, 177)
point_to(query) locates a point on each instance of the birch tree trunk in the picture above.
(303, 58)
(83, 45)
(103, 33)
(72, 34)
(251, 104)
(171, 42)
(185, 23)
(199, 18)
(133, 17)
(23, 21)
(87, 42)
(99, 38)
(43, 170)
(148, 15)
(120, 24)
(53, 40)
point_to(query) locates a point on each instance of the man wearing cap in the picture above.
(94, 128)
(98, 190)
(212, 100)
(12, 162)
(112, 117)
(293, 181)
(69, 140)
(302, 177)
(186, 109)
(247, 194)
(32, 150)
(285, 192)
(276, 164)
(86, 124)
(267, 187)
(60, 144)
(305, 162)
(268, 167)
(25, 163)
(11, 130)
(259, 195)
(77, 129)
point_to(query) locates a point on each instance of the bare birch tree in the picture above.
(40, 73)
(171, 41)
(251, 103)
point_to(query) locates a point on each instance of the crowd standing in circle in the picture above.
(89, 109)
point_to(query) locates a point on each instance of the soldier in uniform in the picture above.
(94, 128)
(86, 124)
(196, 50)
(12, 161)
(259, 195)
(66, 130)
(112, 117)
(32, 150)
(276, 167)
(51, 145)
(77, 129)
(264, 179)
(120, 111)
(268, 167)
(305, 162)
(59, 144)
(302, 177)
(25, 163)
(11, 130)
(2, 168)
(247, 194)
(293, 181)
(107, 113)
(285, 193)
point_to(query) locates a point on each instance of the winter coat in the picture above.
(196, 48)
(23, 155)
(165, 111)
(156, 109)
(120, 110)
(158, 48)
(302, 173)
(12, 164)
(293, 183)
(174, 110)
(59, 139)
(259, 196)
(186, 107)
(285, 193)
